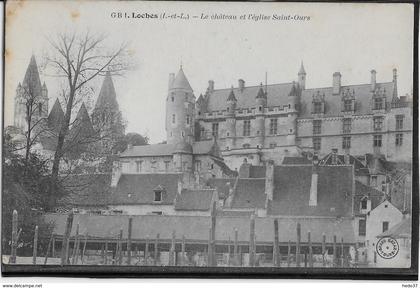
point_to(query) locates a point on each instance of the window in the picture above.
(227, 109)
(167, 163)
(157, 213)
(246, 146)
(215, 129)
(182, 134)
(202, 132)
(346, 125)
(247, 127)
(377, 123)
(362, 227)
(363, 204)
(348, 105)
(373, 180)
(139, 166)
(377, 140)
(399, 121)
(184, 166)
(346, 142)
(273, 145)
(172, 98)
(316, 126)
(173, 118)
(378, 103)
(260, 108)
(399, 139)
(316, 143)
(158, 196)
(188, 120)
(197, 165)
(385, 226)
(273, 126)
(318, 107)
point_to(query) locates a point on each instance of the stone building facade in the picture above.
(272, 121)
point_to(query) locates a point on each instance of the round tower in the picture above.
(180, 107)
(293, 106)
(231, 121)
(261, 101)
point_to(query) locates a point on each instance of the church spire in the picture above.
(302, 69)
(32, 81)
(107, 97)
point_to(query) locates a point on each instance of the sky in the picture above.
(350, 38)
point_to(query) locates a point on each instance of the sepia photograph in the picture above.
(210, 139)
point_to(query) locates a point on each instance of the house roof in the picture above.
(359, 163)
(138, 189)
(400, 230)
(250, 193)
(87, 189)
(190, 200)
(201, 147)
(195, 228)
(361, 191)
(292, 187)
(56, 117)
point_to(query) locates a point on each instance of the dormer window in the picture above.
(158, 196)
(318, 103)
(379, 99)
(363, 204)
(348, 100)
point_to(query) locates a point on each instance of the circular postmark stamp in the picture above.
(387, 247)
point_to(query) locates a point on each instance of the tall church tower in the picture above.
(302, 77)
(180, 105)
(31, 88)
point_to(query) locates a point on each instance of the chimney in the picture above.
(372, 80)
(269, 179)
(334, 156)
(394, 84)
(171, 80)
(241, 84)
(336, 83)
(313, 196)
(211, 86)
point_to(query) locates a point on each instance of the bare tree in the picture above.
(79, 59)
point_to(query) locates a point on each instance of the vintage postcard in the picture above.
(210, 137)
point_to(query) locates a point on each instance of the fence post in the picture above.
(229, 251)
(356, 255)
(311, 264)
(209, 253)
(53, 247)
(48, 248)
(130, 228)
(84, 249)
(323, 250)
(235, 248)
(156, 250)
(342, 252)
(146, 250)
(276, 252)
(252, 241)
(106, 252)
(289, 250)
(120, 254)
(73, 254)
(35, 248)
(213, 235)
(172, 260)
(65, 243)
(183, 251)
(12, 259)
(298, 245)
(334, 251)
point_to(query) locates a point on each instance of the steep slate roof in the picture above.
(196, 228)
(249, 194)
(138, 189)
(222, 185)
(87, 189)
(400, 230)
(194, 200)
(180, 81)
(32, 80)
(201, 147)
(56, 116)
(82, 126)
(360, 168)
(277, 96)
(107, 97)
(292, 186)
(361, 191)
